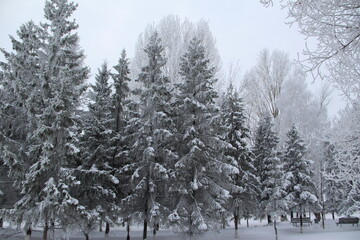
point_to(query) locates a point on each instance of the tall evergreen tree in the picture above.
(18, 79)
(334, 191)
(120, 100)
(273, 191)
(98, 192)
(299, 185)
(202, 176)
(124, 110)
(45, 190)
(19, 103)
(238, 153)
(265, 161)
(151, 150)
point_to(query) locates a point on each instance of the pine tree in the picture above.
(202, 177)
(46, 189)
(152, 135)
(299, 185)
(238, 153)
(268, 167)
(98, 192)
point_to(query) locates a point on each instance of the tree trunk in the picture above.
(128, 230)
(154, 230)
(52, 230)
(236, 221)
(291, 214)
(247, 221)
(1, 223)
(190, 227)
(45, 232)
(86, 236)
(100, 226)
(275, 228)
(301, 220)
(323, 219)
(107, 229)
(269, 219)
(145, 229)
(28, 234)
(146, 218)
(333, 215)
(146, 206)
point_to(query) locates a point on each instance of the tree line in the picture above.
(171, 153)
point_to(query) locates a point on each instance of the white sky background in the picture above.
(241, 27)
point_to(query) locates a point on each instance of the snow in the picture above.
(256, 231)
(194, 185)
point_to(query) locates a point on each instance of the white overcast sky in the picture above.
(241, 27)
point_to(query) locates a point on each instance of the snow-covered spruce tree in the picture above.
(98, 192)
(19, 102)
(120, 100)
(273, 191)
(334, 192)
(238, 154)
(202, 176)
(123, 112)
(151, 151)
(46, 189)
(265, 155)
(17, 83)
(300, 189)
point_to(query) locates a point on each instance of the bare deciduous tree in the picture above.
(264, 82)
(176, 35)
(335, 27)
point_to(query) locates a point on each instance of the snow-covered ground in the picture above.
(256, 231)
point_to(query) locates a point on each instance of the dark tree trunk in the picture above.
(333, 215)
(146, 207)
(28, 234)
(318, 216)
(236, 221)
(155, 229)
(323, 219)
(1, 223)
(291, 214)
(86, 236)
(247, 222)
(128, 231)
(107, 228)
(145, 229)
(269, 219)
(301, 220)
